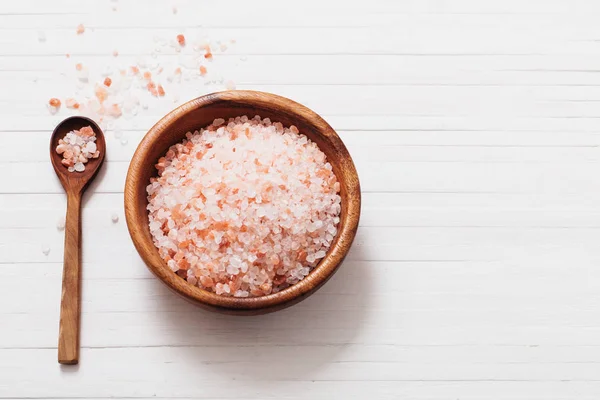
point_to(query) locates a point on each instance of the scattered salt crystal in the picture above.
(46, 250)
(114, 218)
(82, 72)
(124, 141)
(60, 224)
(128, 81)
(54, 105)
(230, 85)
(72, 103)
(118, 134)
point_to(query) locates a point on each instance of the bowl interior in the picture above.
(200, 113)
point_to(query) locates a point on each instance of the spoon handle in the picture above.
(70, 305)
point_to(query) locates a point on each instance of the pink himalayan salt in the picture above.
(54, 105)
(244, 208)
(77, 147)
(128, 86)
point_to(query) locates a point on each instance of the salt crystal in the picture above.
(114, 218)
(60, 224)
(82, 73)
(90, 147)
(124, 141)
(46, 250)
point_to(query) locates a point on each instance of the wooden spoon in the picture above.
(75, 184)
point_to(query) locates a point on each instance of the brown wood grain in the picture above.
(70, 304)
(74, 184)
(199, 113)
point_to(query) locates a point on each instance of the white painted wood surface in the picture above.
(475, 273)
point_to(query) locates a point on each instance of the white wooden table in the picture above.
(475, 272)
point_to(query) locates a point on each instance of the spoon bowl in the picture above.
(72, 181)
(74, 184)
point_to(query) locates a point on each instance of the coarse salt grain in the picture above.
(60, 224)
(244, 208)
(54, 105)
(114, 218)
(72, 103)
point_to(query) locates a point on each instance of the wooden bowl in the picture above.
(199, 113)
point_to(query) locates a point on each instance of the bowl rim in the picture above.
(317, 277)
